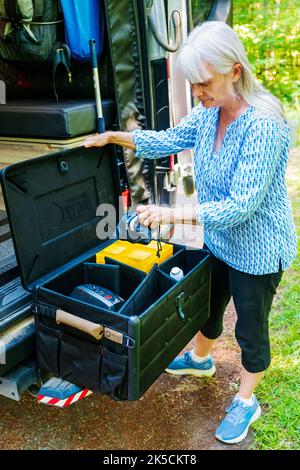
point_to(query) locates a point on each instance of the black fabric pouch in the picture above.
(113, 374)
(80, 362)
(47, 347)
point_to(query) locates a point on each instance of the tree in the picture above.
(270, 33)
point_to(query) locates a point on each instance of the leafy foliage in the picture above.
(200, 10)
(270, 33)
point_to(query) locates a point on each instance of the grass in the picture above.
(279, 392)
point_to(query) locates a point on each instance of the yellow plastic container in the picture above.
(142, 257)
(117, 250)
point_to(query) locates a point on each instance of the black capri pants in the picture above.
(252, 297)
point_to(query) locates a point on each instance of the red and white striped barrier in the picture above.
(66, 401)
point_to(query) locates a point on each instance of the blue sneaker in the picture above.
(234, 427)
(184, 365)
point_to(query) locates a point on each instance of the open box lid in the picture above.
(51, 204)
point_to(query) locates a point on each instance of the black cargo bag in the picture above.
(28, 29)
(52, 203)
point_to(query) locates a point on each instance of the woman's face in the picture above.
(218, 90)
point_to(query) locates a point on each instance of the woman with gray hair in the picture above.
(241, 141)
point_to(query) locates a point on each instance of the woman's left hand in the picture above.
(153, 216)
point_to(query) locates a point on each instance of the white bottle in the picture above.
(176, 273)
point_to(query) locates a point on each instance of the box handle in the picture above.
(94, 329)
(179, 302)
(81, 324)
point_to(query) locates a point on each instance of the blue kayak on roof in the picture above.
(83, 21)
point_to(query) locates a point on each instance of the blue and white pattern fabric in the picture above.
(242, 195)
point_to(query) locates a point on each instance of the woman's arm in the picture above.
(154, 144)
(124, 139)
(152, 216)
(159, 144)
(253, 176)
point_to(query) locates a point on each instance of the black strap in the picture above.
(12, 10)
(62, 57)
(159, 246)
(44, 309)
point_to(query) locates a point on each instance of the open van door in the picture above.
(192, 13)
(165, 24)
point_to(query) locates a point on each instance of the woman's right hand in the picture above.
(124, 139)
(98, 140)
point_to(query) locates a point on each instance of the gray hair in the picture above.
(215, 43)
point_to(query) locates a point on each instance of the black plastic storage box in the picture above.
(51, 204)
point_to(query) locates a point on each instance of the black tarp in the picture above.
(126, 56)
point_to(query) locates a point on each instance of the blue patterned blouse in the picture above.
(242, 194)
